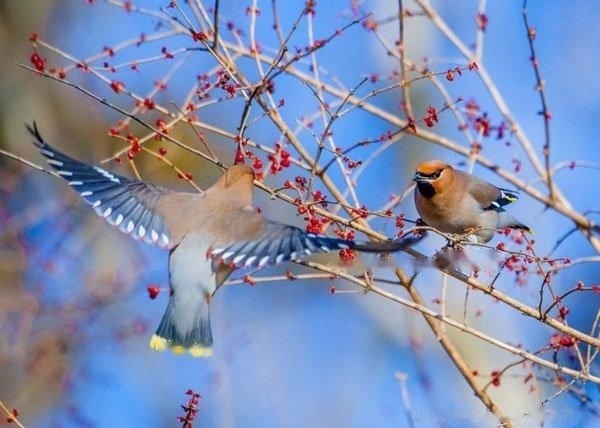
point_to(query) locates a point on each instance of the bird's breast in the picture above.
(444, 216)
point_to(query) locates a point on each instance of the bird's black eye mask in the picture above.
(426, 189)
(424, 182)
(433, 176)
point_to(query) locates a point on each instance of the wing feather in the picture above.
(124, 202)
(279, 242)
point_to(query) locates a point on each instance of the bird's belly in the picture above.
(192, 280)
(190, 264)
(483, 224)
(449, 222)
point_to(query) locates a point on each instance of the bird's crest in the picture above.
(430, 167)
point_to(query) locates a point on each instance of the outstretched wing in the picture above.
(279, 243)
(125, 203)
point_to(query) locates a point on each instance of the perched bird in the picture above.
(208, 235)
(456, 202)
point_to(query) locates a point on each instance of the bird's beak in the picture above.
(419, 178)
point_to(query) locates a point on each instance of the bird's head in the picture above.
(432, 177)
(240, 176)
(236, 184)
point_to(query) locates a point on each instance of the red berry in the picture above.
(117, 86)
(153, 291)
(149, 104)
(239, 157)
(37, 62)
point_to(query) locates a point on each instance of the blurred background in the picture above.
(75, 316)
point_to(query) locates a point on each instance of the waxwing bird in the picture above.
(456, 202)
(208, 235)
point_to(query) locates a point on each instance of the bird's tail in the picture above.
(507, 220)
(523, 227)
(185, 327)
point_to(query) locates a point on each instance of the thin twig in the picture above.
(539, 86)
(480, 31)
(321, 144)
(405, 89)
(28, 163)
(215, 44)
(10, 416)
(401, 378)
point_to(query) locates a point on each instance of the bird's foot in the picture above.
(420, 223)
(455, 241)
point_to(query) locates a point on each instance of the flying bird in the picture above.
(208, 235)
(456, 202)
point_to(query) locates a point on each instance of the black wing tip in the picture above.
(389, 246)
(38, 141)
(321, 241)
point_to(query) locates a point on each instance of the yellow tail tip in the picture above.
(200, 351)
(160, 344)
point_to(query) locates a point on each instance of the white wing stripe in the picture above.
(238, 258)
(227, 255)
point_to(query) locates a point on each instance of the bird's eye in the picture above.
(436, 174)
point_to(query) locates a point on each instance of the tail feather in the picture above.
(523, 227)
(507, 220)
(184, 330)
